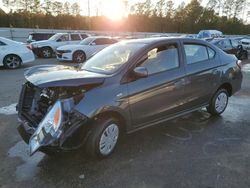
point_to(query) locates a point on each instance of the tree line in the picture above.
(162, 16)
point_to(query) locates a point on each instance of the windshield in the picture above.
(55, 36)
(86, 41)
(111, 58)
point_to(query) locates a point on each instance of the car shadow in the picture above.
(148, 144)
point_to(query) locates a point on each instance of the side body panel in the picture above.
(202, 79)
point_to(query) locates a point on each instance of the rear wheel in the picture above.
(103, 137)
(79, 57)
(46, 52)
(12, 61)
(218, 103)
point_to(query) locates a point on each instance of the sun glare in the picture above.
(114, 9)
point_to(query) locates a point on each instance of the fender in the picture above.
(95, 103)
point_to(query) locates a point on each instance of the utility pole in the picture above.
(88, 9)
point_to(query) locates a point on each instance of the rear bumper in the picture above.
(237, 81)
(28, 57)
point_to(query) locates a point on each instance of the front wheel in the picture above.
(79, 57)
(218, 103)
(103, 137)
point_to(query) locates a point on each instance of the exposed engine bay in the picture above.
(49, 115)
(36, 102)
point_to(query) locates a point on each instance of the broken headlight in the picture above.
(49, 128)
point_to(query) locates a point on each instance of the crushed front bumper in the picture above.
(72, 138)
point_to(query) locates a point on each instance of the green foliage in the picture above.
(144, 16)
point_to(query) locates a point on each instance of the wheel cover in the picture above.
(46, 53)
(12, 62)
(79, 57)
(108, 139)
(221, 102)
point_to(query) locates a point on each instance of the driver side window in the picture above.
(161, 59)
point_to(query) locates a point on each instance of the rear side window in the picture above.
(197, 53)
(211, 53)
(161, 59)
(84, 36)
(75, 37)
(103, 41)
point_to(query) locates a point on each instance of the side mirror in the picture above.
(93, 44)
(141, 72)
(59, 40)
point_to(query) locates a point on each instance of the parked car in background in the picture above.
(80, 52)
(38, 36)
(230, 46)
(13, 54)
(246, 43)
(46, 48)
(127, 86)
(208, 35)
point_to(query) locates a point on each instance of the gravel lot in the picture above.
(193, 151)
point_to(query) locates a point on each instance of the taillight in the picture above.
(29, 46)
(239, 63)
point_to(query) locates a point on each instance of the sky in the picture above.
(106, 7)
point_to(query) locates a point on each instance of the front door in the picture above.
(159, 94)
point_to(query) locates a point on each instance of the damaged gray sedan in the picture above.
(124, 88)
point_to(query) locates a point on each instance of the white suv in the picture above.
(46, 48)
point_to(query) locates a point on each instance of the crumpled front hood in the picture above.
(61, 76)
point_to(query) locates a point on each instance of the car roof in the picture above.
(99, 36)
(160, 39)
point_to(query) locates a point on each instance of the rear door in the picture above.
(160, 94)
(202, 69)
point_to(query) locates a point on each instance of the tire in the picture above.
(103, 138)
(12, 61)
(46, 52)
(79, 57)
(244, 56)
(218, 103)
